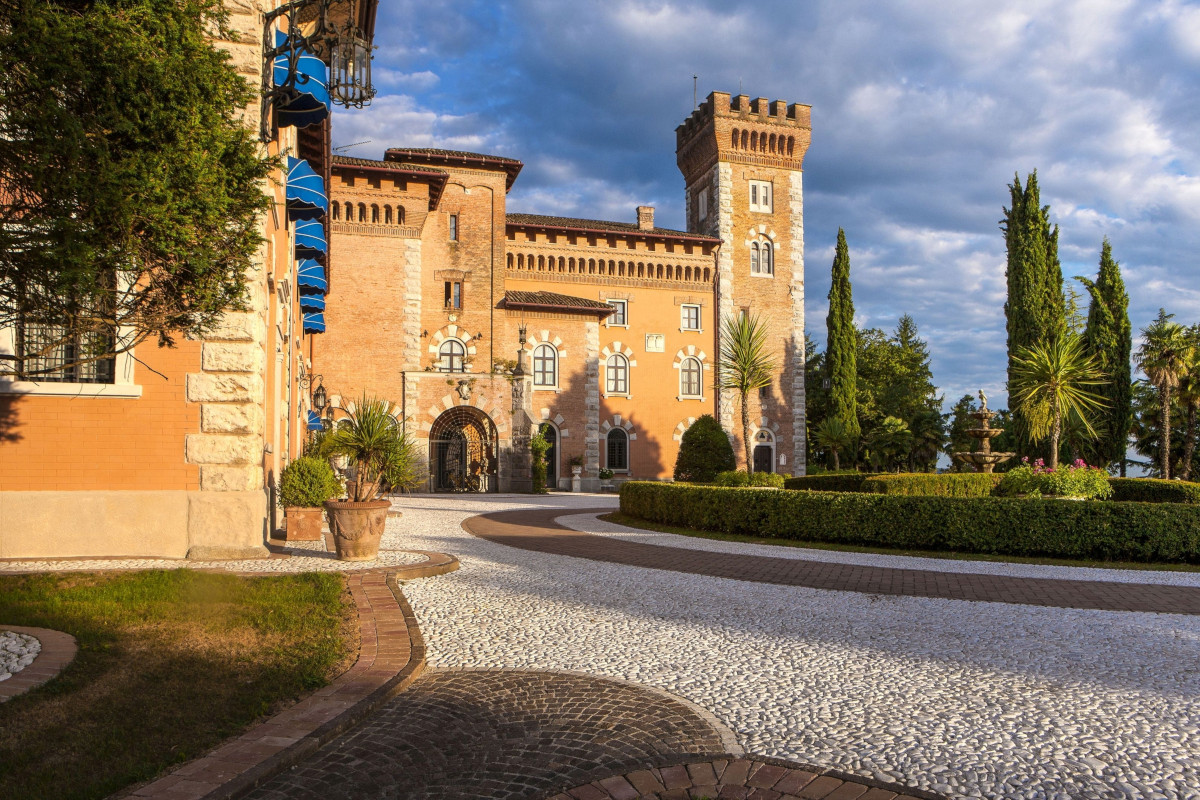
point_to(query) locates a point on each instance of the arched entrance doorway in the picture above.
(550, 434)
(462, 452)
(764, 451)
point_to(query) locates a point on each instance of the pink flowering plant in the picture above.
(1072, 480)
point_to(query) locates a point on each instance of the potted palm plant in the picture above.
(381, 458)
(304, 487)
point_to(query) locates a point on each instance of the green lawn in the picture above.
(170, 663)
(637, 522)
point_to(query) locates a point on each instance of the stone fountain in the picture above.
(983, 459)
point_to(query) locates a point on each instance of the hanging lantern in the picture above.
(350, 70)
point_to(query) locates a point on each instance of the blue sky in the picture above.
(922, 113)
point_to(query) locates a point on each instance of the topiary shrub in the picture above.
(1163, 533)
(1154, 490)
(928, 484)
(704, 451)
(829, 482)
(308, 482)
(738, 478)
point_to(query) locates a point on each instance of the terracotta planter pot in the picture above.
(302, 524)
(357, 527)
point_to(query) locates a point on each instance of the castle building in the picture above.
(482, 326)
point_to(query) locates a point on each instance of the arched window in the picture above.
(374, 214)
(545, 365)
(362, 212)
(735, 138)
(689, 377)
(616, 371)
(618, 450)
(337, 211)
(399, 215)
(349, 212)
(762, 258)
(387, 215)
(451, 355)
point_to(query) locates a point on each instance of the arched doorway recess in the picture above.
(462, 452)
(550, 434)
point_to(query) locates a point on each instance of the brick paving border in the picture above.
(538, 530)
(391, 656)
(740, 778)
(58, 650)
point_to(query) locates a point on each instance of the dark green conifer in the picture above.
(840, 361)
(1035, 308)
(1108, 337)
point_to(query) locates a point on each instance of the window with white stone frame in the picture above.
(451, 356)
(616, 375)
(762, 258)
(545, 366)
(761, 196)
(620, 317)
(617, 450)
(689, 317)
(690, 372)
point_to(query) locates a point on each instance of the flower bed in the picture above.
(1161, 533)
(1076, 480)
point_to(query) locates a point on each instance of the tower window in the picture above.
(760, 196)
(454, 227)
(702, 204)
(621, 315)
(454, 294)
(762, 258)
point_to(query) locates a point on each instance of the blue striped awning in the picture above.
(314, 421)
(310, 275)
(305, 191)
(312, 302)
(310, 239)
(314, 322)
(309, 104)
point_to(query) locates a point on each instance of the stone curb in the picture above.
(243, 763)
(613, 787)
(58, 650)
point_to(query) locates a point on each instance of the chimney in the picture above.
(645, 218)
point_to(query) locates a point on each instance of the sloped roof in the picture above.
(600, 226)
(552, 301)
(435, 155)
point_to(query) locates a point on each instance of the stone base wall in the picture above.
(149, 524)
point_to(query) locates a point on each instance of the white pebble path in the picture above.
(982, 700)
(17, 651)
(305, 557)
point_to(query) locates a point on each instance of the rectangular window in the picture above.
(51, 353)
(689, 317)
(702, 204)
(454, 294)
(760, 196)
(621, 315)
(454, 227)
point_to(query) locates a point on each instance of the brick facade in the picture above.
(434, 272)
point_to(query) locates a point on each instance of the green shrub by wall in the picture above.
(1153, 490)
(832, 482)
(928, 484)
(1163, 533)
(772, 480)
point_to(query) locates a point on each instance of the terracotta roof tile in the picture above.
(392, 166)
(599, 226)
(435, 151)
(553, 300)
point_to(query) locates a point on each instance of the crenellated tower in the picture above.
(742, 161)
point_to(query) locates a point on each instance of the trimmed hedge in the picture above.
(772, 480)
(835, 482)
(1164, 533)
(1154, 490)
(928, 484)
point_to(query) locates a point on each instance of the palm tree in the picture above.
(834, 436)
(1164, 355)
(744, 365)
(929, 437)
(1051, 380)
(1188, 394)
(382, 454)
(888, 442)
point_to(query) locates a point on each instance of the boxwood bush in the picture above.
(739, 478)
(829, 482)
(1153, 490)
(1162, 533)
(928, 484)
(307, 482)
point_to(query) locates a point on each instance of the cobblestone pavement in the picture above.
(538, 530)
(501, 734)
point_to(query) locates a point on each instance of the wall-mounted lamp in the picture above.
(319, 398)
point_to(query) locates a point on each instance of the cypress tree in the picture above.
(1108, 337)
(840, 361)
(1035, 308)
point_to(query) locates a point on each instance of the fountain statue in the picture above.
(983, 459)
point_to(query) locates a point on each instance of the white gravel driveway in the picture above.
(970, 699)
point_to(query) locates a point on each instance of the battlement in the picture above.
(742, 107)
